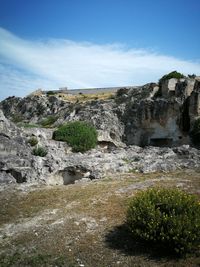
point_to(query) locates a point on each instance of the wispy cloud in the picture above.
(26, 65)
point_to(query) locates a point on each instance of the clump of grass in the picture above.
(27, 125)
(33, 141)
(47, 122)
(39, 151)
(16, 118)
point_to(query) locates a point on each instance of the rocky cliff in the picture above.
(160, 115)
(128, 123)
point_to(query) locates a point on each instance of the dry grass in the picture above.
(86, 97)
(81, 224)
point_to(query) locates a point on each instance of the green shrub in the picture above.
(33, 141)
(49, 93)
(17, 118)
(195, 133)
(39, 151)
(169, 218)
(79, 135)
(27, 125)
(47, 122)
(173, 74)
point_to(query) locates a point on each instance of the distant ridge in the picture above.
(88, 90)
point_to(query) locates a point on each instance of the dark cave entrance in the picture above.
(74, 173)
(185, 117)
(161, 142)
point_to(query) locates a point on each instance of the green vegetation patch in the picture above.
(33, 141)
(169, 218)
(173, 74)
(16, 118)
(39, 151)
(80, 135)
(47, 122)
(27, 125)
(50, 93)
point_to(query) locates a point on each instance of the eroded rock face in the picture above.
(103, 116)
(32, 108)
(149, 116)
(168, 87)
(61, 166)
(194, 107)
(164, 119)
(15, 159)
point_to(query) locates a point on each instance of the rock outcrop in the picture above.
(142, 129)
(164, 118)
(14, 155)
(153, 114)
(61, 166)
(32, 108)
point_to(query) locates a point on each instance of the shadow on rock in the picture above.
(119, 238)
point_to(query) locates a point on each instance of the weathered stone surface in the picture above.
(32, 108)
(148, 122)
(165, 119)
(184, 88)
(168, 87)
(14, 154)
(6, 178)
(144, 116)
(194, 107)
(61, 166)
(102, 115)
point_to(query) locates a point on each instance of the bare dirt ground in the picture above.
(82, 224)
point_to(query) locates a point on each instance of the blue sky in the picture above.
(95, 43)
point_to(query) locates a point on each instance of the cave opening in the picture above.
(161, 142)
(185, 117)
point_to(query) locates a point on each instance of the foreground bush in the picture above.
(79, 135)
(169, 218)
(195, 133)
(173, 74)
(39, 151)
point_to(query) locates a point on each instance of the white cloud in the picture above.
(27, 65)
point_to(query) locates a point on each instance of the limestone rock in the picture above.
(168, 87)
(143, 129)
(32, 108)
(152, 114)
(61, 166)
(194, 107)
